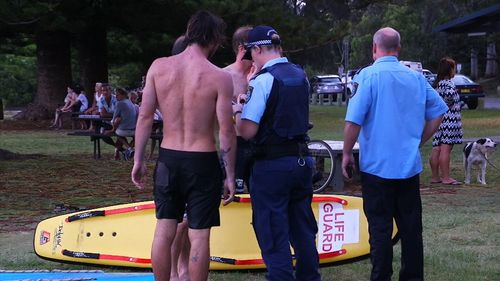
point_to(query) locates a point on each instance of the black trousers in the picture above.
(383, 200)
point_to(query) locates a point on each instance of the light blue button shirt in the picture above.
(259, 90)
(392, 104)
(103, 104)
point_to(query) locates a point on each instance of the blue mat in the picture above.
(72, 275)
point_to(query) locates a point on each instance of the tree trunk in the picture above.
(491, 60)
(92, 55)
(473, 64)
(53, 55)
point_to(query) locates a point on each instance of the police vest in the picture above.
(286, 118)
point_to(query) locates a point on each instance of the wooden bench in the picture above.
(96, 139)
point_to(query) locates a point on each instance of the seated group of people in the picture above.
(75, 101)
(121, 107)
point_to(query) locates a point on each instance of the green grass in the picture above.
(461, 224)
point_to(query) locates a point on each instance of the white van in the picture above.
(415, 65)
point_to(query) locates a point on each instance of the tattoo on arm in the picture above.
(223, 154)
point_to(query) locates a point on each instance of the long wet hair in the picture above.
(205, 29)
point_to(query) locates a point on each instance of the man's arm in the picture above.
(246, 129)
(227, 134)
(430, 128)
(105, 114)
(143, 128)
(351, 133)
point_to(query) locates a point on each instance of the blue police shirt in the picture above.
(258, 93)
(392, 104)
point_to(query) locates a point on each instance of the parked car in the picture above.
(350, 75)
(415, 65)
(431, 77)
(327, 84)
(468, 90)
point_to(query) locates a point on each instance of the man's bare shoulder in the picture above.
(221, 73)
(230, 68)
(224, 74)
(160, 63)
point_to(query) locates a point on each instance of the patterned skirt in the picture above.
(450, 131)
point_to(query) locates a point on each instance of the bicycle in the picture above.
(324, 164)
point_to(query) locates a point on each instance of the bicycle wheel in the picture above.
(324, 164)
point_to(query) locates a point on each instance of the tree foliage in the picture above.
(137, 32)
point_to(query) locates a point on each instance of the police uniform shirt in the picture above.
(258, 93)
(392, 104)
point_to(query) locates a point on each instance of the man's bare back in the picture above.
(189, 92)
(192, 95)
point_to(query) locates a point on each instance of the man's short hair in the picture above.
(204, 29)
(240, 37)
(179, 45)
(122, 91)
(387, 39)
(105, 85)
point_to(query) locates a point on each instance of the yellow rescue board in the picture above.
(121, 235)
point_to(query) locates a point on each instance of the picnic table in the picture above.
(98, 133)
(337, 184)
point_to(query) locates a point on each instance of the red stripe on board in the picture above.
(261, 261)
(123, 258)
(244, 200)
(249, 262)
(332, 254)
(314, 199)
(130, 209)
(330, 198)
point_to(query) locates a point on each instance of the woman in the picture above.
(69, 101)
(450, 131)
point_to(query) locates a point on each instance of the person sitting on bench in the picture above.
(124, 119)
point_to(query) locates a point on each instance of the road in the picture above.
(491, 103)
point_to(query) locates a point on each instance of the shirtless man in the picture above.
(192, 94)
(240, 70)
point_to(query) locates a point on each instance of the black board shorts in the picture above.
(191, 182)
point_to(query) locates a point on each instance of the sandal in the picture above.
(452, 183)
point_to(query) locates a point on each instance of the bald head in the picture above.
(387, 41)
(179, 45)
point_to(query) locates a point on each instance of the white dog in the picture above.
(476, 153)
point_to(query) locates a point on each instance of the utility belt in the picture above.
(273, 151)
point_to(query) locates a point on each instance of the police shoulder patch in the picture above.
(353, 88)
(249, 93)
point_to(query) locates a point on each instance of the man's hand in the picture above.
(229, 190)
(237, 107)
(138, 174)
(348, 166)
(242, 99)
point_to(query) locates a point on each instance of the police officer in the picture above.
(275, 117)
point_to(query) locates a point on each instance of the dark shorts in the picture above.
(191, 182)
(244, 162)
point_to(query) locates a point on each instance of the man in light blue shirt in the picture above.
(393, 110)
(108, 101)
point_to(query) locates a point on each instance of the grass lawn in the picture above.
(461, 224)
